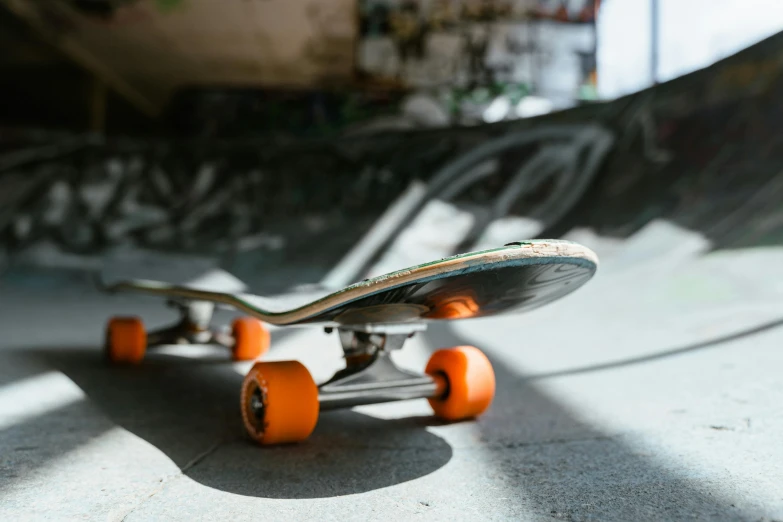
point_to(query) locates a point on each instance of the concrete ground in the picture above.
(653, 393)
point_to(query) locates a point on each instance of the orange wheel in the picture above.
(251, 339)
(279, 402)
(470, 378)
(126, 340)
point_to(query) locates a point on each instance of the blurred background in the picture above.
(243, 130)
(311, 142)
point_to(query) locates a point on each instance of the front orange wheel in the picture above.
(470, 382)
(251, 339)
(279, 402)
(126, 340)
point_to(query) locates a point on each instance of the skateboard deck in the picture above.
(513, 278)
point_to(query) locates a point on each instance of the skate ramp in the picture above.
(702, 151)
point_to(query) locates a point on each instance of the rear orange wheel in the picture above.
(470, 382)
(279, 402)
(251, 339)
(126, 340)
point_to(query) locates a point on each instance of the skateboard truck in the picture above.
(193, 326)
(281, 402)
(371, 376)
(127, 341)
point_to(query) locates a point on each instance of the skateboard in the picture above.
(280, 401)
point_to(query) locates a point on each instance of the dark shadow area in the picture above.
(30, 65)
(189, 409)
(562, 467)
(17, 366)
(664, 354)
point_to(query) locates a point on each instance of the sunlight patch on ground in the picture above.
(194, 351)
(34, 396)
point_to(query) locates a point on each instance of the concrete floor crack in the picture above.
(183, 470)
(201, 456)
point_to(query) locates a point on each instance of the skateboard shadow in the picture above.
(189, 409)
